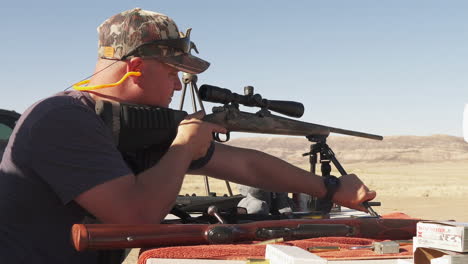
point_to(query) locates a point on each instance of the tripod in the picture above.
(192, 79)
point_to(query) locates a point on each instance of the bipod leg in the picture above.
(302, 201)
(328, 152)
(313, 157)
(324, 205)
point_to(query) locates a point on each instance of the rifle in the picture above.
(142, 122)
(113, 236)
(234, 120)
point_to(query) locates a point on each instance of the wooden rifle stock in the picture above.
(114, 236)
(265, 123)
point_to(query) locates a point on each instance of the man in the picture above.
(62, 166)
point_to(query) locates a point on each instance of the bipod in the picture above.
(188, 78)
(321, 152)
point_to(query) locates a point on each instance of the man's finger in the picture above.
(370, 195)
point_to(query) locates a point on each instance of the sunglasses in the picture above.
(147, 49)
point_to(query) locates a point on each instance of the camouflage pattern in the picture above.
(125, 31)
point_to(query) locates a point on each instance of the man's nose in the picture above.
(177, 84)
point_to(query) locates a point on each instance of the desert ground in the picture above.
(424, 177)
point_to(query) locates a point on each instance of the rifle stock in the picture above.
(265, 123)
(113, 236)
(237, 121)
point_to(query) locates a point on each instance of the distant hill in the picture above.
(398, 149)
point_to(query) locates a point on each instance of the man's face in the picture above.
(158, 83)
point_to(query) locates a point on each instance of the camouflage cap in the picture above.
(139, 30)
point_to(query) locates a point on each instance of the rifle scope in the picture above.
(216, 94)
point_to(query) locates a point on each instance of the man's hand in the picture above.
(352, 193)
(196, 135)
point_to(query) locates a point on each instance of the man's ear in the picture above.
(134, 64)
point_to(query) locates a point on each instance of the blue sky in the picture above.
(385, 67)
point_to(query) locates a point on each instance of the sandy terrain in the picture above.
(424, 177)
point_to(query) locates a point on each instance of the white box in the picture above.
(425, 255)
(444, 235)
(436, 244)
(447, 259)
(280, 254)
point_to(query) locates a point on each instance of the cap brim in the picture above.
(186, 63)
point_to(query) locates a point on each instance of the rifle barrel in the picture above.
(355, 133)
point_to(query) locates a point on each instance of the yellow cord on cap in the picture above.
(78, 86)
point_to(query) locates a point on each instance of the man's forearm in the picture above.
(278, 175)
(255, 168)
(264, 171)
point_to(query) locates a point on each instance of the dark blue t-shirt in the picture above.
(58, 149)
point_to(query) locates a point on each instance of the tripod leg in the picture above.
(192, 80)
(194, 102)
(207, 186)
(228, 186)
(184, 90)
(194, 94)
(195, 90)
(200, 103)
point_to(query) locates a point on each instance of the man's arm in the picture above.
(144, 198)
(255, 168)
(149, 196)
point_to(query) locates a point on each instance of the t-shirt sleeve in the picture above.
(73, 151)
